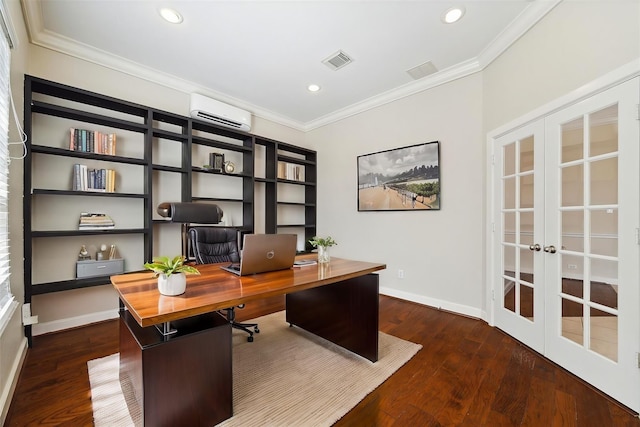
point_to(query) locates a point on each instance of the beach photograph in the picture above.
(406, 178)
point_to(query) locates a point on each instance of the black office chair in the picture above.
(215, 244)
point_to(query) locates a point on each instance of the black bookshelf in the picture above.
(50, 108)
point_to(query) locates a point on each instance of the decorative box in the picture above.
(92, 268)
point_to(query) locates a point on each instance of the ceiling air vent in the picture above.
(422, 70)
(337, 60)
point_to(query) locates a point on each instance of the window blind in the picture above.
(5, 291)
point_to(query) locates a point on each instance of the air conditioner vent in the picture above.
(337, 60)
(219, 120)
(213, 111)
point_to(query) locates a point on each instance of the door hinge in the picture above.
(637, 236)
(637, 111)
(493, 159)
(493, 227)
(493, 296)
(638, 359)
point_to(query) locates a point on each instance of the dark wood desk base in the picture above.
(345, 313)
(185, 379)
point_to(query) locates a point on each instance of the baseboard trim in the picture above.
(73, 322)
(10, 385)
(433, 302)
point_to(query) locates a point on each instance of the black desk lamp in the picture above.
(190, 213)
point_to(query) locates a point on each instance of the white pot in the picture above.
(174, 284)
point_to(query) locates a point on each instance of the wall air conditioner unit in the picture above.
(221, 114)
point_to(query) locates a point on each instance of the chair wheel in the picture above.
(256, 330)
(250, 338)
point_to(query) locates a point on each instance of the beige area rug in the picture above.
(286, 377)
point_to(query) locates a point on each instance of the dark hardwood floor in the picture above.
(467, 374)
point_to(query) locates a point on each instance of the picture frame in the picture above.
(400, 179)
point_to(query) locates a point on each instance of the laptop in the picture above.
(265, 252)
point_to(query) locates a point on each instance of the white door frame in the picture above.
(610, 80)
(603, 83)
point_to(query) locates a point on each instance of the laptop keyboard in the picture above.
(234, 267)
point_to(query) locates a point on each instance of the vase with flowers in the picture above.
(323, 244)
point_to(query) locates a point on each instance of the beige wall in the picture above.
(437, 250)
(577, 42)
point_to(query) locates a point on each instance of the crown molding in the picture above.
(445, 76)
(39, 36)
(516, 29)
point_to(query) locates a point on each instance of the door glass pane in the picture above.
(509, 152)
(526, 265)
(572, 321)
(604, 182)
(604, 334)
(526, 228)
(603, 133)
(526, 154)
(603, 285)
(526, 191)
(604, 232)
(573, 287)
(526, 301)
(572, 140)
(509, 261)
(509, 194)
(509, 295)
(572, 185)
(509, 229)
(572, 231)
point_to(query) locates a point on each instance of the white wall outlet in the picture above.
(400, 274)
(572, 267)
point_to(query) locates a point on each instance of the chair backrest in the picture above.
(214, 244)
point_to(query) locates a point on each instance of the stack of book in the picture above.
(89, 141)
(101, 180)
(95, 221)
(290, 171)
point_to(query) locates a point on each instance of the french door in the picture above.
(566, 243)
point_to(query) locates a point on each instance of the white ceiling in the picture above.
(262, 55)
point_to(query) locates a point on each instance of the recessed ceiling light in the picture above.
(313, 88)
(453, 15)
(171, 15)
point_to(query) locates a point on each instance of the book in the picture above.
(95, 221)
(92, 180)
(304, 263)
(89, 141)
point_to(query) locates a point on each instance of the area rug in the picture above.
(286, 377)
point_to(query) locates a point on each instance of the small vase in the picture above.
(323, 255)
(174, 284)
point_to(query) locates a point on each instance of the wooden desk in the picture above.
(346, 313)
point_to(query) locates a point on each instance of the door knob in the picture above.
(551, 249)
(535, 247)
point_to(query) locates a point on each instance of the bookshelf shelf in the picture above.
(85, 155)
(159, 157)
(64, 233)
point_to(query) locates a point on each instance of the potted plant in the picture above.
(323, 244)
(171, 274)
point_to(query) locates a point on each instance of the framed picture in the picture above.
(400, 179)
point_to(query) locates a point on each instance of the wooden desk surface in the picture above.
(216, 289)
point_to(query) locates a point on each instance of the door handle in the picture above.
(535, 247)
(551, 249)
